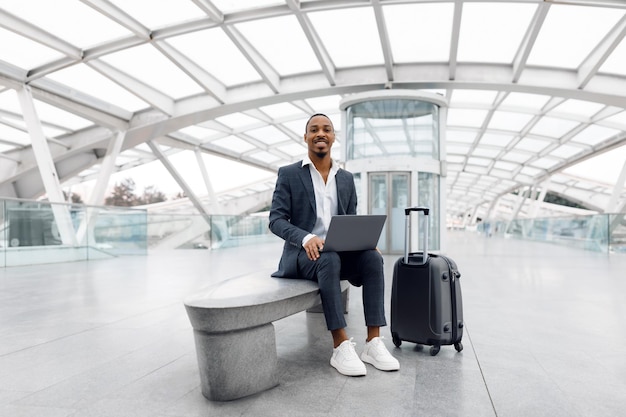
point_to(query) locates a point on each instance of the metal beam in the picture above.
(601, 52)
(265, 70)
(47, 169)
(612, 205)
(209, 83)
(519, 62)
(96, 198)
(209, 8)
(145, 92)
(118, 15)
(106, 169)
(35, 33)
(179, 179)
(454, 39)
(385, 42)
(81, 104)
(328, 68)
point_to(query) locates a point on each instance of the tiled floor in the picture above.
(545, 335)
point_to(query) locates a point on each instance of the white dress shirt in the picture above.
(325, 198)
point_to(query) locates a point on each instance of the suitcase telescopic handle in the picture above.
(408, 210)
(407, 233)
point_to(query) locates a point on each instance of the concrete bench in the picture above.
(233, 330)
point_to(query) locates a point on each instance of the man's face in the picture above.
(319, 136)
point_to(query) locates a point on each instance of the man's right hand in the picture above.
(313, 247)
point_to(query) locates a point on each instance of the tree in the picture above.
(123, 194)
(74, 198)
(151, 195)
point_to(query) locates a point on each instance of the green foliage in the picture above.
(75, 198)
(123, 195)
(152, 195)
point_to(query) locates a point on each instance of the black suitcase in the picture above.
(426, 301)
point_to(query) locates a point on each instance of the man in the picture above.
(307, 194)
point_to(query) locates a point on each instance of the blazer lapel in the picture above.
(307, 183)
(343, 191)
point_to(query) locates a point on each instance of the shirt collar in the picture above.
(334, 166)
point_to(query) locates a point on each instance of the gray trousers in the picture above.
(362, 268)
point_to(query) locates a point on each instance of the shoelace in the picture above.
(348, 348)
(379, 346)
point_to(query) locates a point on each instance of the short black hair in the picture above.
(306, 127)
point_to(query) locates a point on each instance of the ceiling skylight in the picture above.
(263, 34)
(535, 89)
(427, 26)
(212, 50)
(493, 32)
(349, 46)
(561, 31)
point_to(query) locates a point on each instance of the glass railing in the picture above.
(194, 231)
(600, 233)
(34, 232)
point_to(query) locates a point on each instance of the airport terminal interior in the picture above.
(139, 148)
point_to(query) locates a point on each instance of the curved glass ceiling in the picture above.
(535, 100)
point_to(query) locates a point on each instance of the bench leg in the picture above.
(237, 364)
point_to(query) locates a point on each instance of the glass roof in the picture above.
(534, 101)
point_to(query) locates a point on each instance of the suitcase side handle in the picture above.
(407, 233)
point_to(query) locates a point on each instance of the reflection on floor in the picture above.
(544, 337)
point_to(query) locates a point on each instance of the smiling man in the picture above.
(307, 194)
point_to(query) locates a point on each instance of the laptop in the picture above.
(351, 232)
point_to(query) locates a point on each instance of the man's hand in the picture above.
(313, 247)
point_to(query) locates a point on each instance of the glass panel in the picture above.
(194, 44)
(218, 232)
(39, 232)
(392, 127)
(466, 117)
(231, 231)
(460, 98)
(491, 32)
(562, 27)
(31, 224)
(361, 47)
(427, 26)
(400, 199)
(378, 203)
(617, 233)
(550, 126)
(119, 231)
(428, 196)
(85, 79)
(585, 232)
(262, 34)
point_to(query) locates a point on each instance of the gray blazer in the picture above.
(293, 212)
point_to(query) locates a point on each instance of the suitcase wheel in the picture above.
(458, 346)
(396, 339)
(434, 350)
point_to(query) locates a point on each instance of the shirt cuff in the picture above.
(307, 238)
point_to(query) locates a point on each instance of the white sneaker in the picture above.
(346, 361)
(376, 353)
